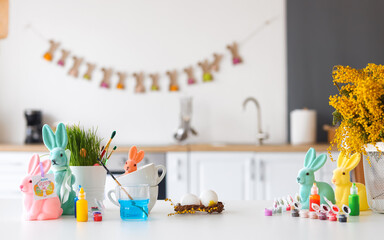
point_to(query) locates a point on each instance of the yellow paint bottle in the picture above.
(82, 207)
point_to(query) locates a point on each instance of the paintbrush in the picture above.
(110, 140)
(107, 146)
(106, 160)
(118, 183)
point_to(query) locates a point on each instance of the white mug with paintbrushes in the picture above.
(147, 174)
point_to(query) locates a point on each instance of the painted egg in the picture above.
(208, 198)
(83, 152)
(190, 199)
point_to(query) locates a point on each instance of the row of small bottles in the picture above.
(353, 199)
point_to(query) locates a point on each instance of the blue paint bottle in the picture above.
(76, 198)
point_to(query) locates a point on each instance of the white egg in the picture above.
(190, 199)
(208, 198)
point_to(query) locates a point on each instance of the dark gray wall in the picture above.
(324, 33)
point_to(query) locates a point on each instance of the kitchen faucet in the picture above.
(260, 136)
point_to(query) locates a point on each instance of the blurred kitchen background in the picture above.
(289, 49)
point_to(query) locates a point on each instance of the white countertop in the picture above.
(239, 220)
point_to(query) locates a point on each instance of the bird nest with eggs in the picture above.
(192, 209)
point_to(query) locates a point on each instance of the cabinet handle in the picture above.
(178, 169)
(261, 171)
(252, 169)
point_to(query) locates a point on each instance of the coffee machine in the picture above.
(34, 126)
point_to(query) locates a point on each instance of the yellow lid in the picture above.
(81, 193)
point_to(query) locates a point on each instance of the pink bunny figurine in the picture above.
(134, 158)
(43, 209)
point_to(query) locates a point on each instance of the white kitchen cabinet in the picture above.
(227, 173)
(177, 175)
(326, 172)
(276, 174)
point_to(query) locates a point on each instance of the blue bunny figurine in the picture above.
(306, 178)
(56, 143)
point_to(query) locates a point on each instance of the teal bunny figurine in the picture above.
(306, 178)
(56, 143)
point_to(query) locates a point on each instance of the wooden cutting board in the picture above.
(4, 8)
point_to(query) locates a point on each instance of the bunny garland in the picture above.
(173, 85)
(134, 158)
(139, 88)
(56, 144)
(107, 73)
(63, 58)
(74, 71)
(155, 82)
(215, 66)
(341, 179)
(52, 49)
(43, 209)
(234, 49)
(122, 77)
(207, 67)
(90, 67)
(306, 178)
(191, 76)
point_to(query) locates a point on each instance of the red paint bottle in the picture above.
(314, 197)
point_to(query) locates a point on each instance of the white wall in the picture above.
(152, 36)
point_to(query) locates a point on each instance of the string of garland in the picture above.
(208, 66)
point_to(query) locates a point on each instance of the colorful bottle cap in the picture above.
(354, 189)
(279, 209)
(288, 208)
(97, 217)
(268, 212)
(322, 216)
(295, 213)
(312, 215)
(304, 213)
(314, 189)
(315, 207)
(346, 210)
(342, 218)
(332, 216)
(325, 208)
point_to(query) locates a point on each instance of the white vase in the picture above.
(92, 179)
(374, 176)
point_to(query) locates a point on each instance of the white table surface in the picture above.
(239, 220)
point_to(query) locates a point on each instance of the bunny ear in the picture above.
(132, 152)
(49, 137)
(352, 162)
(341, 159)
(68, 154)
(61, 136)
(318, 162)
(309, 157)
(46, 165)
(33, 163)
(139, 156)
